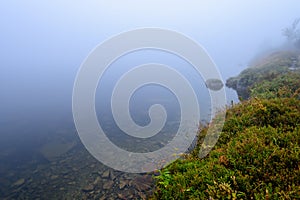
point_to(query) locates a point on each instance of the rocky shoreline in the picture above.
(72, 175)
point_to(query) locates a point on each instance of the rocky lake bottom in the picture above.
(62, 168)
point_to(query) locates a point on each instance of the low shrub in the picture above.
(257, 157)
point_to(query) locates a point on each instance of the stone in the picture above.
(88, 188)
(142, 195)
(125, 194)
(19, 182)
(97, 181)
(112, 175)
(123, 183)
(108, 185)
(103, 198)
(92, 165)
(143, 183)
(214, 84)
(105, 174)
(120, 196)
(53, 177)
(75, 169)
(55, 149)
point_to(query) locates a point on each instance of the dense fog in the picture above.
(43, 44)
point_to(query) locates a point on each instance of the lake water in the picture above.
(45, 159)
(42, 157)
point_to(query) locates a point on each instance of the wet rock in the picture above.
(92, 165)
(97, 181)
(128, 176)
(121, 196)
(108, 185)
(123, 183)
(103, 197)
(214, 84)
(53, 177)
(66, 177)
(112, 175)
(142, 195)
(19, 182)
(125, 194)
(106, 174)
(55, 149)
(142, 183)
(75, 169)
(88, 188)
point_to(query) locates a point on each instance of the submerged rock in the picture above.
(125, 194)
(55, 149)
(106, 174)
(97, 181)
(54, 177)
(143, 183)
(19, 182)
(214, 84)
(123, 184)
(88, 188)
(108, 185)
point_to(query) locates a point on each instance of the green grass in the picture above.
(258, 153)
(257, 157)
(286, 85)
(264, 70)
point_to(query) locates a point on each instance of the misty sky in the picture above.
(43, 43)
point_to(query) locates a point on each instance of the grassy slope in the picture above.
(264, 69)
(257, 155)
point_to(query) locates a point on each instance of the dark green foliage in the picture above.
(258, 153)
(257, 156)
(282, 86)
(282, 113)
(267, 69)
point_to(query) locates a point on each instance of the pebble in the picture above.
(88, 188)
(97, 181)
(105, 174)
(19, 182)
(53, 177)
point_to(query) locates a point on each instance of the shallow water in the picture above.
(42, 157)
(61, 168)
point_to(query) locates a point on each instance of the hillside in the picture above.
(264, 69)
(258, 153)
